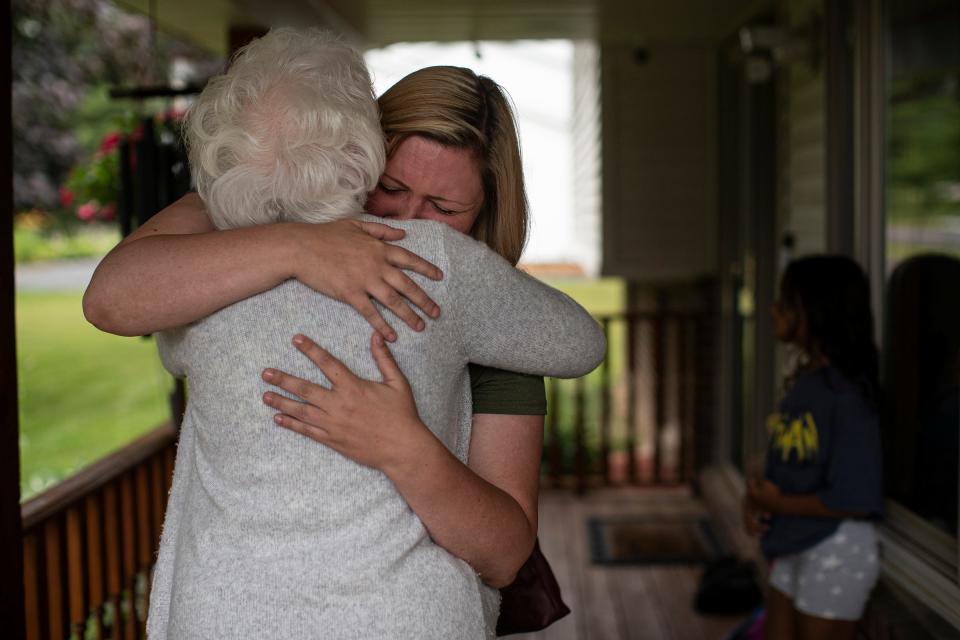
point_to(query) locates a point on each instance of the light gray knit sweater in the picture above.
(271, 535)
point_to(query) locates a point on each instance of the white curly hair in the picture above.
(291, 132)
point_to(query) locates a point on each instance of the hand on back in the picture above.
(352, 261)
(349, 260)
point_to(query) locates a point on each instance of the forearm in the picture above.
(168, 280)
(466, 515)
(513, 321)
(809, 505)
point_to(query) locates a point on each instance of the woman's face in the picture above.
(426, 180)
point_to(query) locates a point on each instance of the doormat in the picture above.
(623, 541)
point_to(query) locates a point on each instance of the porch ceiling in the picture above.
(379, 22)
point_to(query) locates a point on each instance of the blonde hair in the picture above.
(290, 132)
(457, 108)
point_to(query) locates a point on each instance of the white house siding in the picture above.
(586, 154)
(802, 140)
(659, 162)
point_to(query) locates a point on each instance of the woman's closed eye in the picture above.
(388, 189)
(391, 190)
(446, 212)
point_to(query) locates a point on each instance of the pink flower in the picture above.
(66, 197)
(174, 114)
(109, 142)
(107, 212)
(88, 211)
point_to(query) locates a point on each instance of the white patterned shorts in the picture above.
(834, 578)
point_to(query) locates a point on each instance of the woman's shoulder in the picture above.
(430, 229)
(427, 238)
(826, 379)
(425, 228)
(459, 256)
(828, 389)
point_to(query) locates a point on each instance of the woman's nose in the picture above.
(406, 208)
(405, 213)
(396, 207)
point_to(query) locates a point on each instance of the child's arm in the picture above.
(765, 495)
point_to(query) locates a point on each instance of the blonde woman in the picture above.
(453, 156)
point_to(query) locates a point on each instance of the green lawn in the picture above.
(36, 245)
(599, 296)
(82, 393)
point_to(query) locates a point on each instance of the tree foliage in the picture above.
(65, 55)
(924, 148)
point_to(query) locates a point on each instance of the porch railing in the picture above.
(90, 542)
(635, 419)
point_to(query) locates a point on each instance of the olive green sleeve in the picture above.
(506, 392)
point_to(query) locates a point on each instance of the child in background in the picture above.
(822, 484)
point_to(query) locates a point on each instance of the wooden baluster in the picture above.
(34, 592)
(128, 542)
(146, 538)
(695, 387)
(178, 402)
(77, 571)
(113, 550)
(554, 444)
(97, 576)
(57, 608)
(159, 488)
(144, 512)
(683, 381)
(659, 397)
(605, 406)
(632, 380)
(168, 456)
(579, 438)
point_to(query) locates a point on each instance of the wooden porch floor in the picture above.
(625, 602)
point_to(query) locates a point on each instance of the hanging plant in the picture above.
(92, 187)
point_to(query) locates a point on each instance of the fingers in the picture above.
(385, 362)
(758, 529)
(398, 256)
(335, 370)
(402, 283)
(304, 411)
(313, 432)
(299, 387)
(405, 259)
(368, 310)
(754, 524)
(393, 293)
(388, 297)
(382, 231)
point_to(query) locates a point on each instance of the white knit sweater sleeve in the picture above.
(172, 349)
(171, 346)
(162, 587)
(512, 321)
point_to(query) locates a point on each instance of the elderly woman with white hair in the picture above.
(269, 534)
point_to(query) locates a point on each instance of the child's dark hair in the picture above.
(833, 293)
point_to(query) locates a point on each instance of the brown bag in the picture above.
(532, 602)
